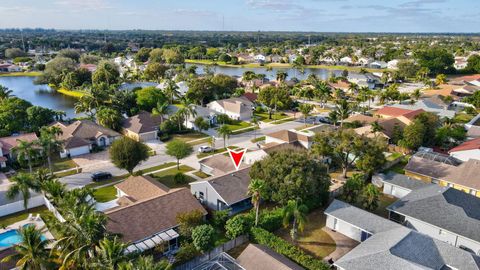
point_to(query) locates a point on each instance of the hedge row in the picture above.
(263, 237)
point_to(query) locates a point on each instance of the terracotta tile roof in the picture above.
(251, 96)
(392, 111)
(7, 143)
(410, 115)
(142, 187)
(142, 219)
(142, 122)
(255, 255)
(468, 145)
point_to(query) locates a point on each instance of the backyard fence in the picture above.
(18, 206)
(213, 253)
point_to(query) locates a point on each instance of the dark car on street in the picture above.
(100, 176)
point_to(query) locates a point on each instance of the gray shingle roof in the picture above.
(232, 187)
(403, 249)
(359, 218)
(402, 180)
(447, 208)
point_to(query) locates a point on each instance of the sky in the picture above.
(246, 15)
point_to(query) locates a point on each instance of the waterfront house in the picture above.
(237, 108)
(142, 127)
(7, 144)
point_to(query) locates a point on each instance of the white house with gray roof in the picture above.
(397, 185)
(443, 213)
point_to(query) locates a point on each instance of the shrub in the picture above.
(203, 237)
(186, 252)
(189, 220)
(238, 225)
(287, 249)
(180, 178)
(270, 220)
(220, 217)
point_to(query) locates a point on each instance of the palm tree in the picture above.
(305, 109)
(146, 263)
(281, 76)
(171, 90)
(370, 196)
(255, 189)
(415, 95)
(32, 252)
(5, 93)
(26, 151)
(110, 253)
(225, 132)
(161, 109)
(297, 212)
(323, 92)
(22, 183)
(109, 118)
(49, 142)
(190, 110)
(353, 88)
(333, 117)
(343, 110)
(376, 128)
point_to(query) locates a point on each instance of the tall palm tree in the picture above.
(161, 109)
(370, 195)
(32, 252)
(5, 93)
(50, 143)
(376, 128)
(296, 212)
(225, 132)
(146, 263)
(281, 76)
(343, 110)
(353, 88)
(171, 90)
(109, 118)
(189, 109)
(22, 183)
(109, 254)
(323, 92)
(256, 189)
(26, 151)
(305, 109)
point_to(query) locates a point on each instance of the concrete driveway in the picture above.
(92, 159)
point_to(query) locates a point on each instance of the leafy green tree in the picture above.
(32, 252)
(255, 189)
(156, 56)
(38, 117)
(353, 187)
(203, 237)
(200, 90)
(224, 85)
(238, 225)
(89, 59)
(473, 63)
(56, 69)
(413, 135)
(126, 153)
(22, 183)
(155, 71)
(142, 55)
(149, 97)
(178, 149)
(220, 217)
(289, 174)
(201, 124)
(437, 60)
(106, 72)
(188, 221)
(372, 158)
(109, 118)
(173, 56)
(274, 99)
(441, 79)
(69, 53)
(12, 53)
(297, 214)
(225, 132)
(370, 197)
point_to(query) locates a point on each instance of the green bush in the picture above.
(180, 178)
(186, 252)
(203, 237)
(270, 220)
(238, 225)
(220, 217)
(263, 237)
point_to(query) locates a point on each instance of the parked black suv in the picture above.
(99, 176)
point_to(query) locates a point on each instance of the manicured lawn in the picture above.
(263, 116)
(10, 219)
(204, 140)
(21, 74)
(258, 139)
(189, 136)
(399, 167)
(63, 164)
(394, 156)
(313, 239)
(158, 167)
(201, 174)
(239, 125)
(67, 173)
(217, 151)
(105, 194)
(166, 177)
(462, 118)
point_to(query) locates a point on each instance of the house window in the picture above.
(221, 205)
(473, 192)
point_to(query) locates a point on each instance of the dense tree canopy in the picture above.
(149, 97)
(437, 60)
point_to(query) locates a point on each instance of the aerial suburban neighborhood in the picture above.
(237, 142)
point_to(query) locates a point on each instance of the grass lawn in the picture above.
(217, 151)
(384, 201)
(70, 93)
(285, 120)
(462, 118)
(313, 239)
(63, 164)
(21, 74)
(263, 116)
(105, 194)
(399, 167)
(158, 167)
(10, 219)
(239, 125)
(67, 173)
(258, 139)
(205, 140)
(189, 136)
(394, 156)
(109, 181)
(166, 177)
(201, 174)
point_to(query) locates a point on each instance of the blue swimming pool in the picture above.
(12, 237)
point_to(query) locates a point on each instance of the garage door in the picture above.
(148, 136)
(399, 192)
(79, 151)
(348, 230)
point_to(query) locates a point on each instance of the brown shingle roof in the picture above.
(261, 257)
(364, 119)
(236, 104)
(7, 143)
(221, 164)
(392, 111)
(145, 218)
(81, 132)
(289, 136)
(142, 187)
(142, 122)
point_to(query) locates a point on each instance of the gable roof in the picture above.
(363, 119)
(289, 136)
(256, 255)
(468, 145)
(142, 187)
(401, 180)
(252, 97)
(443, 207)
(392, 111)
(80, 132)
(236, 104)
(142, 122)
(232, 187)
(7, 143)
(402, 249)
(145, 218)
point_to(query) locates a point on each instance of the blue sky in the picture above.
(283, 15)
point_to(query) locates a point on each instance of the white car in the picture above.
(205, 149)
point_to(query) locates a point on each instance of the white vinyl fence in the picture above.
(17, 206)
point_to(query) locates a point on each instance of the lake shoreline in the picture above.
(21, 74)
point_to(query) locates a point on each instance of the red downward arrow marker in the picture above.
(237, 157)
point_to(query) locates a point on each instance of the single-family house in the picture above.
(361, 119)
(204, 112)
(368, 80)
(467, 150)
(221, 164)
(378, 64)
(397, 185)
(237, 108)
(9, 143)
(260, 58)
(142, 127)
(445, 171)
(229, 191)
(364, 61)
(256, 256)
(245, 58)
(292, 137)
(9, 68)
(387, 245)
(429, 105)
(404, 115)
(146, 213)
(473, 127)
(390, 128)
(182, 87)
(392, 64)
(81, 136)
(346, 60)
(274, 58)
(460, 63)
(466, 90)
(443, 213)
